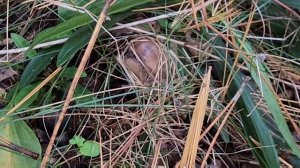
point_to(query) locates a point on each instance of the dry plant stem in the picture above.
(156, 154)
(16, 148)
(82, 64)
(203, 10)
(101, 154)
(285, 163)
(230, 105)
(34, 91)
(7, 23)
(195, 14)
(190, 149)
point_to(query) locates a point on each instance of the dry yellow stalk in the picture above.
(191, 145)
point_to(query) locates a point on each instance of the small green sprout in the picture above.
(86, 148)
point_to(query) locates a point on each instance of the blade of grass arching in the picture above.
(254, 125)
(274, 103)
(81, 37)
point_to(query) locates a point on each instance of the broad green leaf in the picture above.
(20, 42)
(18, 132)
(70, 72)
(37, 65)
(75, 43)
(81, 38)
(90, 148)
(254, 125)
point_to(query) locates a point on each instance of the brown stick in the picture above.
(14, 147)
(80, 69)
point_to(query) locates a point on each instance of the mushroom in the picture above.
(145, 60)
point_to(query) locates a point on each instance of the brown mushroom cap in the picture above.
(144, 58)
(149, 53)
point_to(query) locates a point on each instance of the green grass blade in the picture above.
(254, 125)
(262, 80)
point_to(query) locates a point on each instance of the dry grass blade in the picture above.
(83, 62)
(214, 19)
(156, 154)
(126, 145)
(191, 145)
(194, 13)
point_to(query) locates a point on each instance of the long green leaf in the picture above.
(80, 20)
(66, 26)
(16, 131)
(254, 125)
(125, 5)
(37, 65)
(24, 91)
(81, 37)
(262, 80)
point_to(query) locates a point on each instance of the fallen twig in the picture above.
(76, 78)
